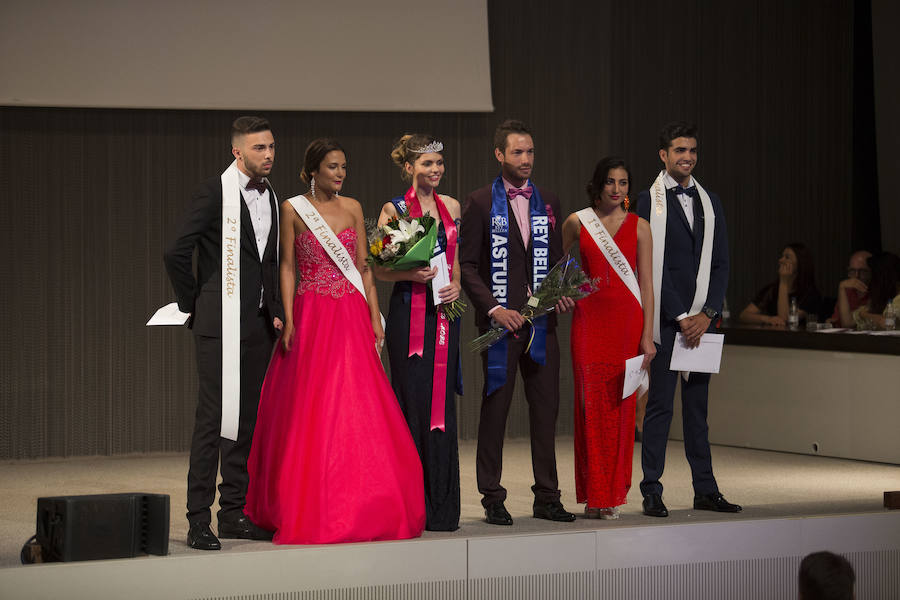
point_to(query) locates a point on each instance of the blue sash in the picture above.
(399, 205)
(540, 260)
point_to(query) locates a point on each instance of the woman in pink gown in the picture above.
(332, 458)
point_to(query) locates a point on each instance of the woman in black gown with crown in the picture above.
(423, 345)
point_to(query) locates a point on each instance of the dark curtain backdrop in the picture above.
(885, 15)
(92, 195)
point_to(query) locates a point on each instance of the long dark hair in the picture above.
(601, 174)
(805, 282)
(885, 276)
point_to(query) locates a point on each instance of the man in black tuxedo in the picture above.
(528, 216)
(261, 316)
(677, 203)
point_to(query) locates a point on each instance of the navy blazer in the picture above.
(682, 256)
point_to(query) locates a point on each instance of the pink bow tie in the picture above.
(513, 192)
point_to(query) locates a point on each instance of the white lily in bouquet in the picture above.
(404, 231)
(404, 243)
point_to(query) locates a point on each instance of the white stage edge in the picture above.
(721, 560)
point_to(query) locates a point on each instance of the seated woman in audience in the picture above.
(796, 279)
(884, 291)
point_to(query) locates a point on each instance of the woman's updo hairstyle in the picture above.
(316, 152)
(402, 152)
(601, 174)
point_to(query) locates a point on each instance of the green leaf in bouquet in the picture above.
(421, 252)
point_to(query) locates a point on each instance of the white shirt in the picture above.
(687, 202)
(260, 212)
(687, 205)
(260, 216)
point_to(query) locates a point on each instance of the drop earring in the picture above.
(312, 187)
(626, 203)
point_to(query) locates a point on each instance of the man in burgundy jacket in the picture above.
(508, 242)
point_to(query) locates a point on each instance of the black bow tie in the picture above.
(259, 186)
(688, 191)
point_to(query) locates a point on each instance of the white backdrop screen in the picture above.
(355, 55)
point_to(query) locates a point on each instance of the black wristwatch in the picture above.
(709, 312)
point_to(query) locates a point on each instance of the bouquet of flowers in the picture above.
(565, 279)
(404, 244)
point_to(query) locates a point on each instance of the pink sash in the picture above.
(417, 314)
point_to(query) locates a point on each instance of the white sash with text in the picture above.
(231, 302)
(610, 250)
(329, 241)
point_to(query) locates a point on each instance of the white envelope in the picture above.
(442, 278)
(635, 376)
(168, 315)
(705, 358)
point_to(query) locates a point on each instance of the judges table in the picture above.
(833, 394)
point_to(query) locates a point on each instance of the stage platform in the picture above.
(793, 505)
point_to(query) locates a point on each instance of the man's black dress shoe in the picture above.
(716, 502)
(496, 514)
(552, 511)
(243, 528)
(654, 507)
(201, 537)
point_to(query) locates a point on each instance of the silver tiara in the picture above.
(432, 147)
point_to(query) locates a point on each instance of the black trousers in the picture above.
(542, 394)
(207, 447)
(694, 402)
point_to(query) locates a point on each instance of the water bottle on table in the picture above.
(794, 315)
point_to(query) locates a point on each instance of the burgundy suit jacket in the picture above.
(475, 249)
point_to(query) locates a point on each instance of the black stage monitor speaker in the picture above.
(102, 526)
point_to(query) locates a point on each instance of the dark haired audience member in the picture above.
(884, 290)
(853, 292)
(796, 279)
(826, 576)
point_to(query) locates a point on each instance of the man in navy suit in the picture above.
(690, 274)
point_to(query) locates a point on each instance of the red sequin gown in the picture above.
(606, 331)
(332, 459)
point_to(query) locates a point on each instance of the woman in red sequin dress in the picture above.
(608, 327)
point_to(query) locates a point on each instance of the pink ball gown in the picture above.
(332, 457)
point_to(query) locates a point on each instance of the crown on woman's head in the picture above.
(434, 146)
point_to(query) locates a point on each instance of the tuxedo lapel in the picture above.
(272, 243)
(698, 226)
(675, 206)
